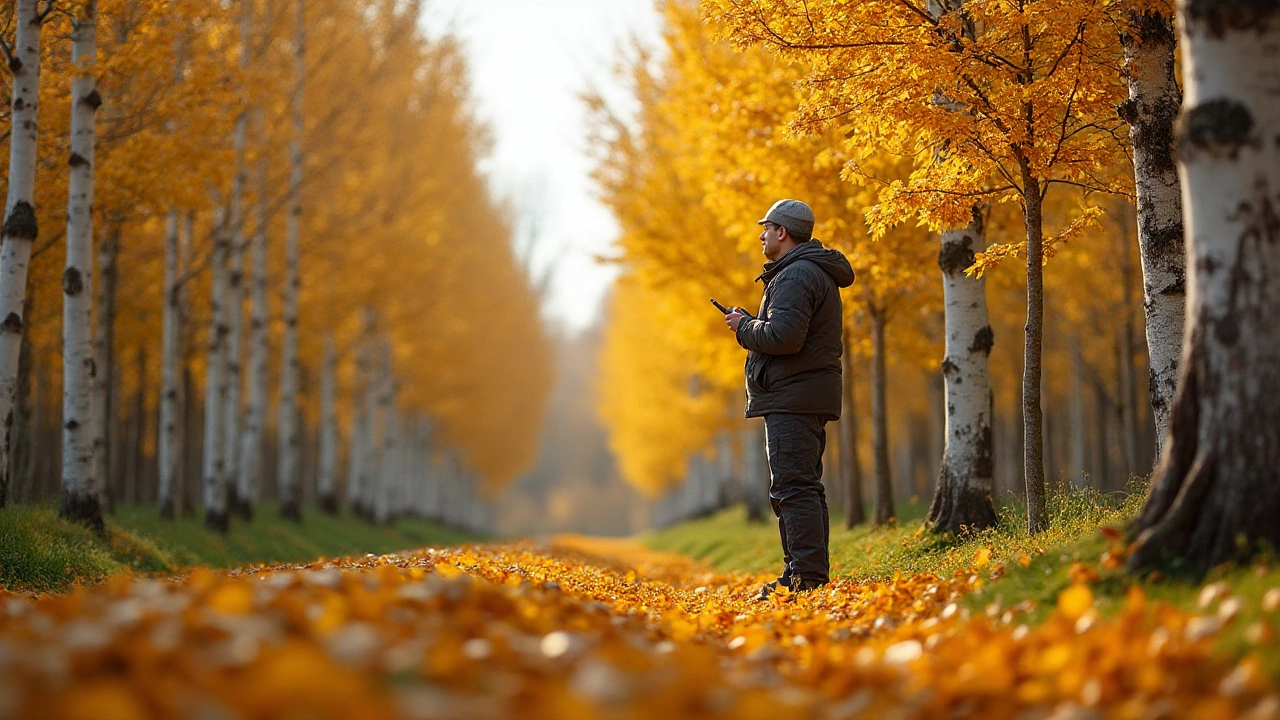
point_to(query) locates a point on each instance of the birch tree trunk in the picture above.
(215, 396)
(20, 227)
(79, 485)
(288, 426)
(963, 498)
(328, 461)
(1216, 492)
(850, 468)
(755, 472)
(884, 511)
(364, 406)
(105, 426)
(1152, 106)
(170, 390)
(1032, 416)
(252, 441)
(386, 414)
(235, 294)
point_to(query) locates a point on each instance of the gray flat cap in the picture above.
(795, 216)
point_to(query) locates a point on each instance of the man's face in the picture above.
(771, 239)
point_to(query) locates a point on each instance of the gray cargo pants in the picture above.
(795, 444)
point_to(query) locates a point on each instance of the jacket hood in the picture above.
(832, 261)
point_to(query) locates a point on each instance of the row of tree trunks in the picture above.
(1216, 491)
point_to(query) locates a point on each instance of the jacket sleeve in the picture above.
(785, 324)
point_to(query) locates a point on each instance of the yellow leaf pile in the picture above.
(589, 628)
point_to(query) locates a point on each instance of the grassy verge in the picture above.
(1018, 567)
(41, 553)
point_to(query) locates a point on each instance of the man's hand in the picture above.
(734, 318)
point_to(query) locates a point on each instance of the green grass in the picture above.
(41, 553)
(727, 542)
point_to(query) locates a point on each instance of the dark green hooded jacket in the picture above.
(793, 358)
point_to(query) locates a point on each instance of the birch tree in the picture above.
(289, 440)
(234, 310)
(850, 468)
(252, 439)
(168, 439)
(215, 395)
(965, 480)
(328, 460)
(20, 226)
(1216, 492)
(1154, 97)
(80, 489)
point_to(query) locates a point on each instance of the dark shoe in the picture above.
(806, 585)
(767, 590)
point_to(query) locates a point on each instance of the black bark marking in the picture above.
(1167, 240)
(1224, 16)
(72, 281)
(1128, 111)
(956, 257)
(949, 367)
(93, 100)
(1151, 28)
(21, 222)
(15, 64)
(1227, 329)
(1177, 287)
(983, 340)
(84, 509)
(219, 522)
(984, 465)
(72, 425)
(19, 105)
(77, 160)
(329, 504)
(1214, 126)
(12, 323)
(1153, 135)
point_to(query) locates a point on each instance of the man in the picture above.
(793, 381)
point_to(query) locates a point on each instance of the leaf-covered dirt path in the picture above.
(589, 628)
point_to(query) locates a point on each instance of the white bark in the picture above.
(1153, 103)
(364, 403)
(235, 291)
(252, 440)
(79, 485)
(1216, 493)
(328, 462)
(387, 420)
(170, 378)
(965, 479)
(214, 466)
(20, 228)
(289, 451)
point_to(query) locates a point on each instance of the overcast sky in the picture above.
(530, 62)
